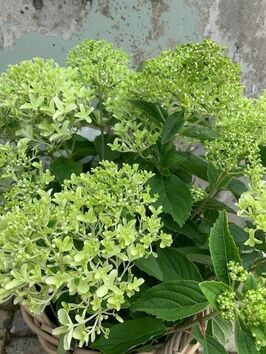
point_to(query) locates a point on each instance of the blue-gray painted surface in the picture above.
(142, 28)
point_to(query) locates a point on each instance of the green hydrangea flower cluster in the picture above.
(254, 306)
(42, 101)
(254, 312)
(242, 129)
(99, 65)
(197, 78)
(247, 302)
(226, 303)
(21, 175)
(81, 242)
(252, 206)
(237, 272)
(197, 193)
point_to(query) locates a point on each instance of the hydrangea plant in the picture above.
(81, 242)
(22, 174)
(127, 232)
(196, 79)
(42, 101)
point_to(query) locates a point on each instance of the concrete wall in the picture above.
(49, 28)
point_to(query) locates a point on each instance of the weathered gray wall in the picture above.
(49, 28)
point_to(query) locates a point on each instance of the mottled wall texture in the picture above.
(49, 28)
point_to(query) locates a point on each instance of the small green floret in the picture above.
(197, 193)
(227, 304)
(237, 272)
(254, 312)
(22, 174)
(99, 64)
(252, 206)
(242, 129)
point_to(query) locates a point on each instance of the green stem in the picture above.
(101, 126)
(211, 194)
(102, 141)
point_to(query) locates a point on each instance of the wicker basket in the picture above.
(43, 327)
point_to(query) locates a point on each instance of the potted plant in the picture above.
(118, 239)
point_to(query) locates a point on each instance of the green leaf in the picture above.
(155, 113)
(239, 235)
(174, 265)
(150, 266)
(81, 147)
(213, 175)
(125, 336)
(250, 283)
(221, 330)
(260, 333)
(60, 348)
(263, 155)
(172, 301)
(211, 346)
(243, 339)
(62, 168)
(211, 289)
(199, 133)
(222, 248)
(196, 255)
(213, 204)
(189, 229)
(169, 265)
(109, 154)
(174, 197)
(172, 126)
(168, 158)
(193, 164)
(237, 187)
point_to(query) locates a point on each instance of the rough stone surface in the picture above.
(241, 26)
(25, 345)
(19, 327)
(49, 18)
(143, 27)
(4, 323)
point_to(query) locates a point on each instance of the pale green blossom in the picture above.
(100, 66)
(81, 242)
(251, 205)
(22, 174)
(43, 102)
(197, 78)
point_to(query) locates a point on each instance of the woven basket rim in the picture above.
(43, 327)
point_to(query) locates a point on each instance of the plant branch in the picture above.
(258, 263)
(191, 324)
(211, 194)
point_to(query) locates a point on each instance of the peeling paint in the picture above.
(104, 8)
(50, 18)
(158, 8)
(239, 25)
(142, 27)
